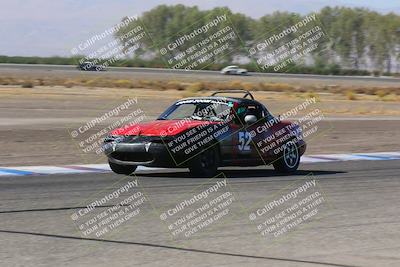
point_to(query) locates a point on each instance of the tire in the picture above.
(289, 161)
(122, 169)
(206, 163)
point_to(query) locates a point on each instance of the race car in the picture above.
(205, 133)
(233, 70)
(90, 66)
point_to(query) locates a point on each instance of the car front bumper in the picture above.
(150, 154)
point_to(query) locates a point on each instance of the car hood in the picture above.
(160, 127)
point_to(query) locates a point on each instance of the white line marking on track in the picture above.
(97, 168)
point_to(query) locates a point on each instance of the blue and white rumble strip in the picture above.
(98, 168)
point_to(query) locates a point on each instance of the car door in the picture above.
(245, 142)
(266, 136)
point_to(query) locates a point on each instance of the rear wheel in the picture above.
(206, 163)
(122, 169)
(290, 159)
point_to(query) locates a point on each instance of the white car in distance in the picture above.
(233, 70)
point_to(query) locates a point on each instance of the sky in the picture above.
(54, 27)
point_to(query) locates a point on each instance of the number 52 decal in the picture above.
(244, 141)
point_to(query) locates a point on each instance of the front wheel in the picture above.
(206, 163)
(290, 159)
(122, 169)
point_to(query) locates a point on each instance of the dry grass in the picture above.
(235, 85)
(194, 88)
(381, 93)
(390, 97)
(175, 85)
(4, 81)
(312, 94)
(69, 83)
(350, 95)
(27, 84)
(124, 84)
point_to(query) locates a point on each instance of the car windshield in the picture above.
(197, 110)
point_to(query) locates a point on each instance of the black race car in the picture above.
(90, 66)
(204, 133)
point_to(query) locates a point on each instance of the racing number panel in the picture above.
(243, 149)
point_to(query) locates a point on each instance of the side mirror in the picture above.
(250, 119)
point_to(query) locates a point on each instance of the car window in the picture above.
(182, 111)
(220, 110)
(208, 110)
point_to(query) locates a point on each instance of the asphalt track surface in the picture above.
(194, 73)
(358, 226)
